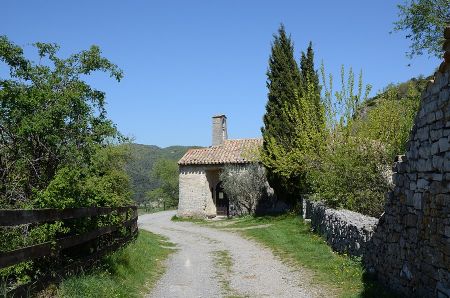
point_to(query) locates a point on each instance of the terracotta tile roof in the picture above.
(231, 151)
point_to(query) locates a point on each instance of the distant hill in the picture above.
(142, 159)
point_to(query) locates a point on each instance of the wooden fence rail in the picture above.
(12, 218)
(19, 217)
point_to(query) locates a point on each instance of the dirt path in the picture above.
(215, 263)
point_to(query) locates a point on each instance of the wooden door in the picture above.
(222, 202)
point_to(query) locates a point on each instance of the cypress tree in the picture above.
(310, 79)
(294, 118)
(283, 84)
(283, 81)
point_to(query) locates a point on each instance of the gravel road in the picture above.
(216, 263)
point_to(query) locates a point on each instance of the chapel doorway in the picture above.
(222, 202)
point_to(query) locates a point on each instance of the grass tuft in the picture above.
(224, 262)
(189, 219)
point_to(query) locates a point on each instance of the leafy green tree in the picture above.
(157, 198)
(342, 106)
(424, 21)
(57, 146)
(52, 122)
(165, 172)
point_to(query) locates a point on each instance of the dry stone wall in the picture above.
(345, 231)
(410, 249)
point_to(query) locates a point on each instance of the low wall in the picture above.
(345, 231)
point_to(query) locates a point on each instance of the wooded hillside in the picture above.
(141, 162)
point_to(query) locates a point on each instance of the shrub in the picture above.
(244, 186)
(354, 170)
(352, 175)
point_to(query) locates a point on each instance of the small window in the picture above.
(220, 195)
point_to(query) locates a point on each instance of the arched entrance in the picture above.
(222, 202)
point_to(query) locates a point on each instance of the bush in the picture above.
(244, 186)
(354, 168)
(389, 118)
(352, 175)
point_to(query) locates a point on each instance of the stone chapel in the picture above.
(201, 193)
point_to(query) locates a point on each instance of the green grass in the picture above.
(291, 239)
(223, 260)
(189, 219)
(130, 272)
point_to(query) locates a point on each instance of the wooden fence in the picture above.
(120, 233)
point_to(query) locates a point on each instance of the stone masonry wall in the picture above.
(195, 195)
(345, 231)
(411, 245)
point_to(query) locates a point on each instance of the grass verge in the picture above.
(130, 272)
(291, 239)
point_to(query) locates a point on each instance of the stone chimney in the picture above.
(219, 129)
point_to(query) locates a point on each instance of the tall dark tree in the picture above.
(294, 119)
(283, 82)
(310, 79)
(308, 72)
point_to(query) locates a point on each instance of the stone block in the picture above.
(398, 179)
(422, 133)
(430, 106)
(437, 177)
(444, 144)
(412, 176)
(424, 151)
(439, 114)
(431, 117)
(444, 95)
(435, 134)
(435, 146)
(422, 184)
(440, 124)
(447, 177)
(417, 201)
(424, 165)
(442, 291)
(438, 162)
(447, 231)
(446, 165)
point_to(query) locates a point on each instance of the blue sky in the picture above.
(185, 61)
